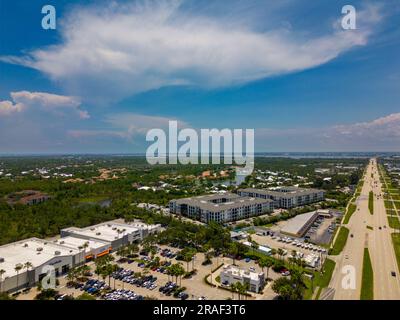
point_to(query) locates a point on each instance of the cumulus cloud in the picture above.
(122, 50)
(8, 107)
(52, 103)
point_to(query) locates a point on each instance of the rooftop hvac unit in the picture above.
(57, 253)
(62, 242)
(92, 229)
(108, 225)
(115, 228)
(1, 259)
(25, 245)
(39, 249)
(98, 233)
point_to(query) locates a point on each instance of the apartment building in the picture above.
(286, 197)
(220, 208)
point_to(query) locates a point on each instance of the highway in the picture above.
(377, 240)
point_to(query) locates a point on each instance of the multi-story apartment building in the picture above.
(285, 197)
(220, 208)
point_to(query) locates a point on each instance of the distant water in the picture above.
(238, 180)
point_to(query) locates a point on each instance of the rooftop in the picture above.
(283, 191)
(108, 231)
(230, 201)
(235, 271)
(33, 250)
(77, 243)
(294, 225)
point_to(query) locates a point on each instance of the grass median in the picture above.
(371, 202)
(340, 242)
(352, 208)
(367, 282)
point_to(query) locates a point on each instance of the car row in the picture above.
(171, 288)
(122, 294)
(128, 276)
(299, 244)
(167, 253)
(93, 286)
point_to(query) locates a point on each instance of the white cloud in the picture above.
(387, 127)
(53, 103)
(8, 107)
(381, 134)
(122, 50)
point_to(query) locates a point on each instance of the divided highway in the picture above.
(378, 240)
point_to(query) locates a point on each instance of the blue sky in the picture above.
(113, 70)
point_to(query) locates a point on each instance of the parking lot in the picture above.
(288, 244)
(134, 281)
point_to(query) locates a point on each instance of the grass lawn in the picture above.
(321, 280)
(340, 242)
(349, 213)
(391, 212)
(371, 202)
(395, 196)
(394, 222)
(389, 204)
(396, 245)
(367, 283)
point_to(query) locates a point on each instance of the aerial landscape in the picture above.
(199, 150)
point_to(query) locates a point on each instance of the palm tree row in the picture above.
(240, 288)
(176, 270)
(19, 266)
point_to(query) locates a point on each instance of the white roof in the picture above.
(294, 225)
(108, 231)
(76, 243)
(235, 271)
(33, 250)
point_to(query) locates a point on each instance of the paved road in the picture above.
(386, 287)
(377, 240)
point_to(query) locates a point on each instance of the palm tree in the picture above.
(233, 251)
(187, 258)
(83, 270)
(245, 288)
(27, 266)
(71, 275)
(268, 265)
(2, 271)
(262, 263)
(233, 289)
(18, 268)
(239, 289)
(114, 269)
(84, 247)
